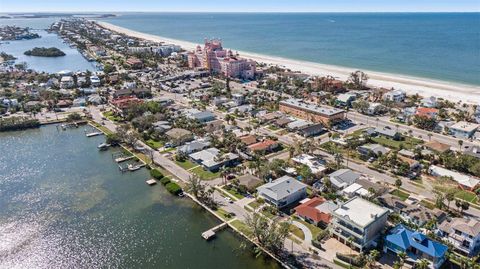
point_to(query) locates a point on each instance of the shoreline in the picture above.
(412, 85)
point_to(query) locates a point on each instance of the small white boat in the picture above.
(132, 167)
(103, 146)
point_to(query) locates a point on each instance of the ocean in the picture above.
(441, 46)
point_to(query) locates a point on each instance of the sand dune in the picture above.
(425, 87)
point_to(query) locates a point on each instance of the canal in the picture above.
(64, 204)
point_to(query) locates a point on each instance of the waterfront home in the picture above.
(359, 222)
(396, 96)
(123, 103)
(250, 182)
(416, 245)
(345, 99)
(429, 102)
(464, 181)
(317, 211)
(311, 130)
(212, 159)
(194, 146)
(79, 102)
(96, 99)
(178, 136)
(316, 165)
(317, 114)
(463, 234)
(343, 178)
(463, 129)
(283, 191)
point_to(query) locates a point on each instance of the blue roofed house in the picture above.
(416, 245)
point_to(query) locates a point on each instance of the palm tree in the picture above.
(460, 143)
(422, 264)
(402, 256)
(372, 257)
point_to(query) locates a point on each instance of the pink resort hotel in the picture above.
(220, 61)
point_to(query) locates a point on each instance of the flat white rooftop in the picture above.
(360, 211)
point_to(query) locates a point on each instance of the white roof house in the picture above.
(462, 179)
(360, 211)
(315, 165)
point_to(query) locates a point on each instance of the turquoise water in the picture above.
(73, 60)
(444, 46)
(64, 204)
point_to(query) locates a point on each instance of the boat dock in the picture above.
(151, 182)
(123, 159)
(207, 235)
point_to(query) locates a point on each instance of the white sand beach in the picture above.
(425, 87)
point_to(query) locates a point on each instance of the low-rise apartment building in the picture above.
(310, 112)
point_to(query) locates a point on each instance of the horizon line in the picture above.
(245, 11)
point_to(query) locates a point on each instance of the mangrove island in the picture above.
(45, 52)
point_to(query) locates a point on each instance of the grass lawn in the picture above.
(223, 214)
(242, 227)
(167, 150)
(297, 232)
(234, 193)
(314, 229)
(356, 133)
(143, 157)
(427, 204)
(408, 143)
(109, 115)
(204, 174)
(154, 144)
(186, 164)
(267, 214)
(101, 128)
(460, 194)
(255, 204)
(401, 194)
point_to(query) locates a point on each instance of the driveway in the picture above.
(306, 232)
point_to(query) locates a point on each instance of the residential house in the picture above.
(375, 109)
(359, 222)
(427, 112)
(297, 124)
(464, 181)
(251, 182)
(311, 130)
(416, 245)
(316, 165)
(134, 63)
(396, 96)
(436, 146)
(345, 99)
(266, 145)
(194, 146)
(356, 189)
(473, 151)
(388, 132)
(429, 101)
(283, 191)
(248, 139)
(317, 211)
(369, 150)
(343, 178)
(66, 82)
(178, 136)
(282, 122)
(463, 129)
(203, 116)
(212, 160)
(463, 234)
(420, 215)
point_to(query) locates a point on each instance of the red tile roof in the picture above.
(427, 111)
(264, 145)
(124, 102)
(309, 210)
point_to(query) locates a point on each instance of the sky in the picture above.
(240, 5)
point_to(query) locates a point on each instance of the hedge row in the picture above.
(165, 180)
(156, 174)
(173, 188)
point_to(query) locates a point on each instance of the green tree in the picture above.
(270, 235)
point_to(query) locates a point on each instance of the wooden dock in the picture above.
(125, 158)
(207, 235)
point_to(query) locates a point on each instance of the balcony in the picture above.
(355, 230)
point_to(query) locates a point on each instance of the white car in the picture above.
(228, 199)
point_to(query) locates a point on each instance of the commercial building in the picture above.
(359, 222)
(310, 112)
(217, 60)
